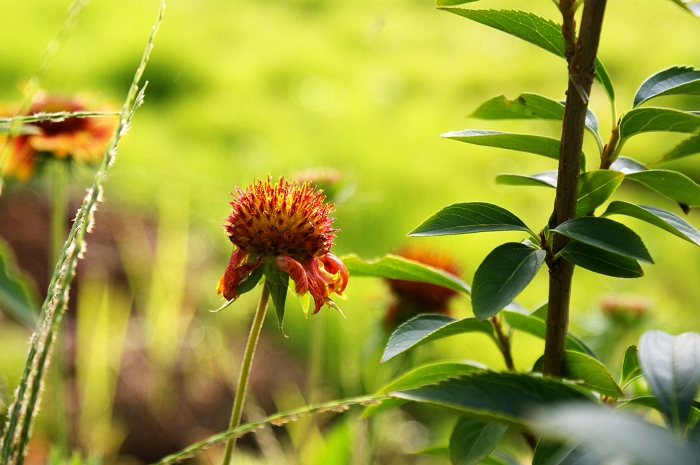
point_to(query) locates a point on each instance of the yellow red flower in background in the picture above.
(411, 297)
(72, 138)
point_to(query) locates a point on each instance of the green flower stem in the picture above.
(314, 372)
(253, 337)
(59, 232)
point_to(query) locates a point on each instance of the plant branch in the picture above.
(503, 343)
(581, 75)
(245, 370)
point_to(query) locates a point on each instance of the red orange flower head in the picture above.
(290, 223)
(82, 139)
(412, 297)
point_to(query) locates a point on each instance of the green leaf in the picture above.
(538, 328)
(420, 376)
(526, 106)
(671, 365)
(627, 165)
(546, 178)
(658, 217)
(18, 297)
(630, 367)
(594, 188)
(616, 437)
(579, 366)
(530, 106)
(395, 267)
(498, 457)
(537, 30)
(601, 261)
(431, 327)
(551, 452)
(503, 274)
(672, 81)
(491, 396)
(249, 282)
(693, 6)
(453, 2)
(650, 119)
(689, 146)
(277, 282)
(672, 184)
(429, 374)
(470, 217)
(473, 440)
(605, 234)
(538, 145)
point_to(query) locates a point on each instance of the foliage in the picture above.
(568, 405)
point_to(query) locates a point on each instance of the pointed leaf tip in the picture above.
(471, 217)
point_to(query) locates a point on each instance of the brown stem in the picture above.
(503, 343)
(606, 159)
(581, 75)
(568, 27)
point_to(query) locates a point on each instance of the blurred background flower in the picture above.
(411, 298)
(69, 138)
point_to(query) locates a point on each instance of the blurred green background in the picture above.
(239, 90)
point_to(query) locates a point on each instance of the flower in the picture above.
(287, 223)
(626, 310)
(412, 297)
(82, 139)
(329, 180)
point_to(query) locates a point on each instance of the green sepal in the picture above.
(247, 284)
(277, 282)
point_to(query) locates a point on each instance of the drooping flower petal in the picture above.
(295, 271)
(238, 267)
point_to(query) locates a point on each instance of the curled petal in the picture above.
(296, 272)
(238, 267)
(337, 268)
